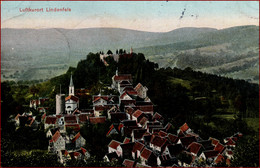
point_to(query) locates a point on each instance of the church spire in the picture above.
(71, 87)
(71, 81)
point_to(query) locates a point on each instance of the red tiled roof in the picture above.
(120, 126)
(158, 141)
(55, 137)
(219, 147)
(168, 126)
(219, 159)
(76, 127)
(76, 137)
(114, 144)
(83, 150)
(70, 119)
(83, 117)
(145, 108)
(110, 129)
(138, 147)
(162, 133)
(138, 86)
(186, 141)
(137, 113)
(96, 120)
(184, 127)
(74, 98)
(100, 108)
(74, 154)
(210, 153)
(129, 163)
(214, 141)
(138, 133)
(230, 142)
(123, 77)
(172, 138)
(146, 153)
(126, 140)
(157, 116)
(194, 147)
(50, 120)
(96, 98)
(143, 121)
(127, 102)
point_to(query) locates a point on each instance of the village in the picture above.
(148, 140)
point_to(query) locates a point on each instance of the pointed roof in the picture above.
(55, 137)
(71, 81)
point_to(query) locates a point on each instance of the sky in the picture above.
(152, 16)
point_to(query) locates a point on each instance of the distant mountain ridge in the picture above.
(49, 52)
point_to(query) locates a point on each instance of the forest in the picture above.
(211, 105)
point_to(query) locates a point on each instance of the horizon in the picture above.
(127, 28)
(148, 16)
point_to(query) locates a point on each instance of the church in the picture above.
(71, 102)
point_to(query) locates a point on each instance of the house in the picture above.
(214, 141)
(126, 140)
(113, 129)
(219, 159)
(100, 100)
(78, 140)
(173, 150)
(118, 116)
(186, 141)
(50, 121)
(143, 122)
(129, 111)
(71, 103)
(137, 149)
(125, 150)
(113, 147)
(141, 90)
(51, 132)
(125, 84)
(137, 134)
(138, 115)
(70, 119)
(116, 79)
(148, 157)
(207, 144)
(129, 163)
(220, 148)
(109, 157)
(208, 156)
(164, 160)
(97, 120)
(172, 138)
(184, 128)
(38, 102)
(195, 148)
(158, 143)
(57, 142)
(157, 117)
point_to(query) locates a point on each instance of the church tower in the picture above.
(71, 87)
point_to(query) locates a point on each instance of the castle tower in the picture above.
(131, 50)
(71, 87)
(60, 104)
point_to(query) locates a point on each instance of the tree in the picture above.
(109, 52)
(246, 153)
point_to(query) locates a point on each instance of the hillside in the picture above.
(232, 52)
(34, 54)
